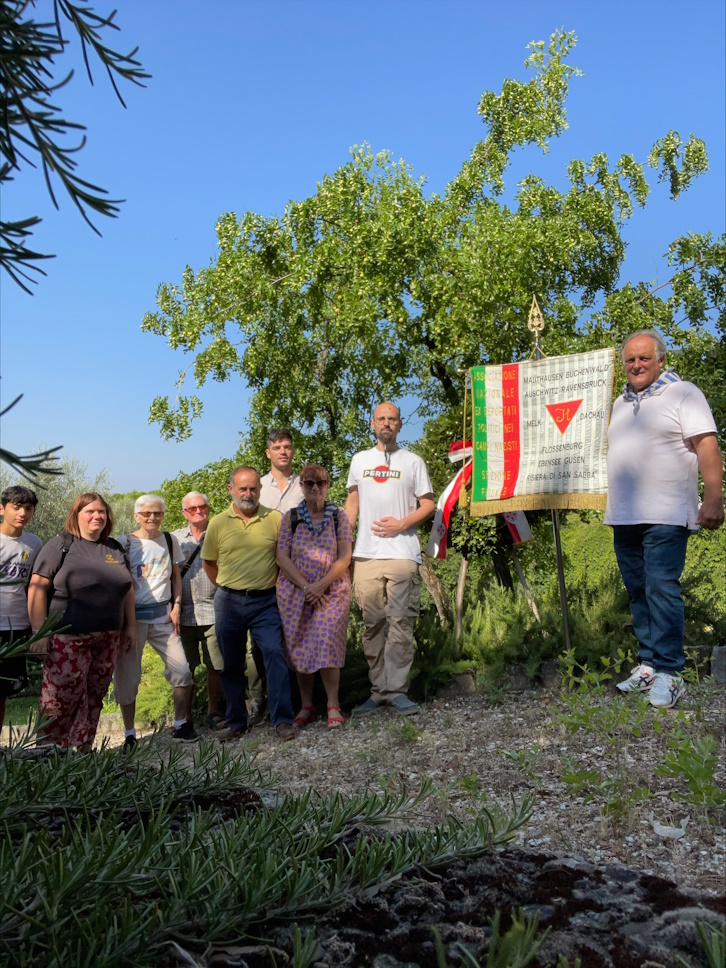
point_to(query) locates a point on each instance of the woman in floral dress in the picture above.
(314, 550)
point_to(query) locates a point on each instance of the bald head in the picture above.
(386, 425)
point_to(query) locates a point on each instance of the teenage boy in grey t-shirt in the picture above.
(17, 554)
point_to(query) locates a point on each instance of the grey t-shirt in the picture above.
(16, 562)
(92, 585)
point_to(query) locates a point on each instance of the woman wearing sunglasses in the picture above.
(314, 549)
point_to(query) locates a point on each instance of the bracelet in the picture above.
(305, 588)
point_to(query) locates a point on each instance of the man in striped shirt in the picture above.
(197, 613)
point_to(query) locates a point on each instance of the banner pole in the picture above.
(462, 494)
(535, 324)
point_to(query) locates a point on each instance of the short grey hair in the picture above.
(238, 470)
(148, 499)
(660, 347)
(194, 494)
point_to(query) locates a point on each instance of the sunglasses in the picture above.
(312, 484)
(195, 507)
(150, 514)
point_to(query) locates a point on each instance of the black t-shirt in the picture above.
(92, 585)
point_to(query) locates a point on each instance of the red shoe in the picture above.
(306, 716)
(335, 717)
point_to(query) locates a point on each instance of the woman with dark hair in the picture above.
(88, 576)
(314, 548)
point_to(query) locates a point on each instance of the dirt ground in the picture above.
(615, 891)
(476, 754)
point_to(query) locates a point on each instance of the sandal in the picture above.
(306, 716)
(216, 721)
(335, 717)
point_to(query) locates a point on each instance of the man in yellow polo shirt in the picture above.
(239, 557)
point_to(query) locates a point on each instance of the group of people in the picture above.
(264, 587)
(273, 568)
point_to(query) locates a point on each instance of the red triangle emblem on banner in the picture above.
(563, 413)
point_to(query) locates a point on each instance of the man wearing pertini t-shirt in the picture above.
(390, 494)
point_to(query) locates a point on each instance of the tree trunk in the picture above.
(436, 590)
(461, 584)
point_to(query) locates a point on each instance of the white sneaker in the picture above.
(666, 690)
(641, 677)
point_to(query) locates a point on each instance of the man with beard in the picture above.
(389, 490)
(239, 556)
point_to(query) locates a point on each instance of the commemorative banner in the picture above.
(540, 433)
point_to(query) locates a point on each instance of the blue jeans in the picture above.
(235, 616)
(651, 558)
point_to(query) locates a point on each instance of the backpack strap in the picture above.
(65, 548)
(190, 560)
(67, 542)
(170, 546)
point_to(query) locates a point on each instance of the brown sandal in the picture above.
(335, 717)
(306, 715)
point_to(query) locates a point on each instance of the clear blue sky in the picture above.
(250, 104)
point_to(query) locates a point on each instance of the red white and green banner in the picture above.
(516, 521)
(540, 433)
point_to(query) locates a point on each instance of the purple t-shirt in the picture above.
(92, 585)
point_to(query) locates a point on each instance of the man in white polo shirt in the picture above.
(390, 494)
(661, 433)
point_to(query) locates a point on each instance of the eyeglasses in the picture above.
(150, 514)
(312, 484)
(196, 507)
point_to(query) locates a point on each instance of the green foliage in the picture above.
(515, 948)
(33, 126)
(713, 942)
(704, 589)
(501, 630)
(106, 860)
(694, 760)
(122, 506)
(57, 493)
(210, 480)
(614, 721)
(525, 760)
(31, 467)
(408, 731)
(369, 282)
(435, 654)
(154, 702)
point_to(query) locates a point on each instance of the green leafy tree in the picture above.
(370, 289)
(57, 492)
(210, 480)
(33, 130)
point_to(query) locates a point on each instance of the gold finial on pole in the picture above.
(535, 324)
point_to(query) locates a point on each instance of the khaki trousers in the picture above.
(388, 592)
